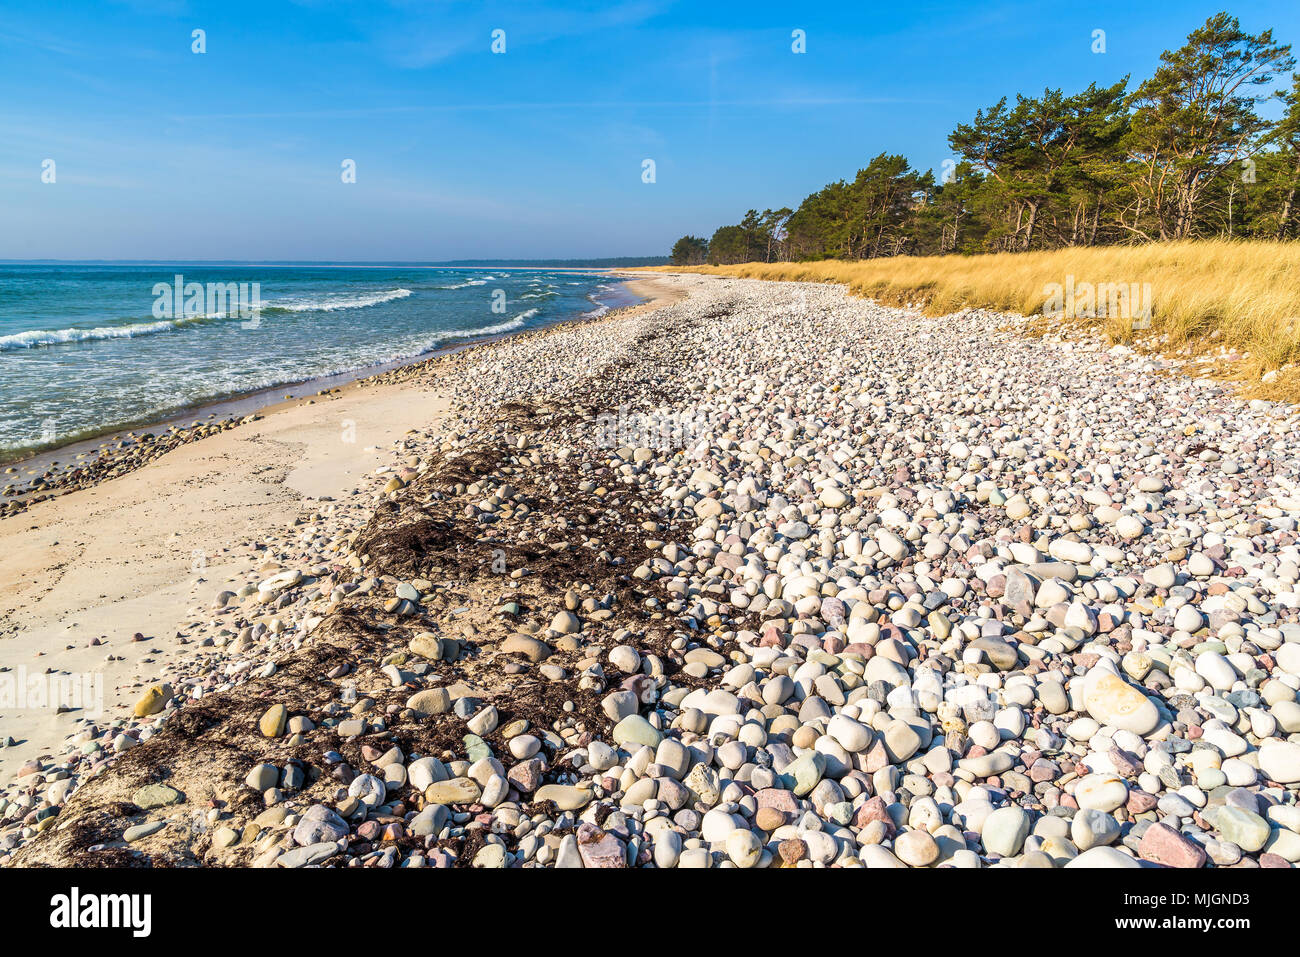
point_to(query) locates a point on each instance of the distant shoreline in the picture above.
(563, 266)
(221, 410)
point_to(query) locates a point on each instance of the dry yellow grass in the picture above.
(1239, 299)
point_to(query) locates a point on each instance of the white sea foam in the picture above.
(508, 326)
(600, 309)
(52, 337)
(336, 302)
(97, 403)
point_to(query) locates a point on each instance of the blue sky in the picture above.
(236, 153)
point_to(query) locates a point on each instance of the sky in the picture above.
(539, 151)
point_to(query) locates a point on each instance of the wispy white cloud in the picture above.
(407, 35)
(782, 102)
(43, 41)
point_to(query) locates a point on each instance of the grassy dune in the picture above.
(1236, 301)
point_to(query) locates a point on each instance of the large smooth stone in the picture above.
(636, 730)
(454, 791)
(1113, 701)
(1104, 856)
(1101, 792)
(1248, 831)
(1280, 761)
(1005, 831)
(566, 798)
(802, 774)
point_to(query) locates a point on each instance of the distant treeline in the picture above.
(1183, 154)
(616, 262)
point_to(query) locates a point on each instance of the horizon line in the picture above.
(418, 263)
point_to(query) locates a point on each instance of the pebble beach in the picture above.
(763, 576)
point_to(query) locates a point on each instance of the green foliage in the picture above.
(863, 219)
(690, 251)
(1185, 154)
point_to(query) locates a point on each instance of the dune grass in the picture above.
(1236, 301)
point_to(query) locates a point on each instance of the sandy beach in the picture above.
(142, 554)
(133, 555)
(756, 575)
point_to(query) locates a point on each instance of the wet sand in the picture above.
(143, 553)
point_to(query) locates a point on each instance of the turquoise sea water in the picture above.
(86, 349)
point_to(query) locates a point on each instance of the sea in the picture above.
(89, 349)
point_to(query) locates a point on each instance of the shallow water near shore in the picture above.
(86, 350)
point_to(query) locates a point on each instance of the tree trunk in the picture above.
(1286, 206)
(1033, 220)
